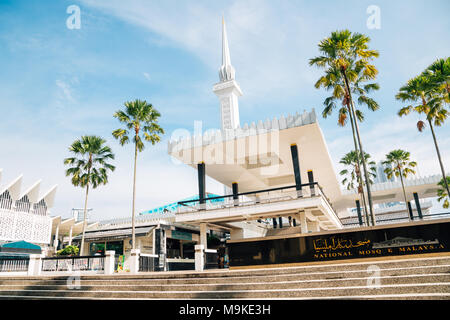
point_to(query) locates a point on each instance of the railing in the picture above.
(147, 262)
(14, 264)
(85, 263)
(254, 197)
(405, 218)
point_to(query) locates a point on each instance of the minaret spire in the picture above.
(227, 90)
(226, 71)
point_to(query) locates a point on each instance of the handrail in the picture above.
(250, 192)
(406, 217)
(73, 257)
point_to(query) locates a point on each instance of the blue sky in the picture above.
(57, 84)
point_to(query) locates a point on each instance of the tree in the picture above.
(346, 58)
(351, 161)
(142, 118)
(442, 193)
(439, 74)
(398, 163)
(425, 99)
(351, 181)
(89, 168)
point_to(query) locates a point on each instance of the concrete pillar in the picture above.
(56, 241)
(109, 262)
(419, 209)
(303, 223)
(203, 235)
(235, 194)
(410, 211)
(199, 257)
(358, 210)
(35, 264)
(311, 182)
(70, 235)
(134, 261)
(296, 166)
(201, 184)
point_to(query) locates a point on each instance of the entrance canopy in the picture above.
(22, 247)
(115, 234)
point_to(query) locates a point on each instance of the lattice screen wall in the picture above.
(18, 226)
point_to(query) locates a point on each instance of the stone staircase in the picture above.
(412, 278)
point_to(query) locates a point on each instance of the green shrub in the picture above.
(68, 251)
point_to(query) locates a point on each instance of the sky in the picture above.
(59, 83)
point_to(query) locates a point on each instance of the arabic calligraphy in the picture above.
(337, 244)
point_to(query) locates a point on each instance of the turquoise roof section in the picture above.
(21, 245)
(172, 207)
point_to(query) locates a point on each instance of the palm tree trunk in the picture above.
(404, 192)
(363, 160)
(358, 169)
(81, 252)
(133, 234)
(439, 157)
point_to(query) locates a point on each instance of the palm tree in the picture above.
(142, 118)
(442, 193)
(346, 58)
(423, 94)
(353, 162)
(399, 164)
(439, 74)
(89, 168)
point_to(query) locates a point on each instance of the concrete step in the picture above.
(291, 284)
(153, 279)
(427, 278)
(394, 289)
(307, 269)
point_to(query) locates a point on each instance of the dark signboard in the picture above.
(378, 242)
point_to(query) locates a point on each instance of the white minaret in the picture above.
(227, 90)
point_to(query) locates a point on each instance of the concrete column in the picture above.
(296, 166)
(199, 257)
(358, 209)
(203, 235)
(235, 194)
(35, 264)
(311, 181)
(201, 184)
(134, 261)
(70, 235)
(109, 262)
(410, 211)
(419, 209)
(303, 223)
(56, 241)
(274, 222)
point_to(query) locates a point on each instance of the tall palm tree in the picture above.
(141, 118)
(442, 193)
(398, 163)
(350, 181)
(89, 168)
(346, 58)
(439, 74)
(423, 94)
